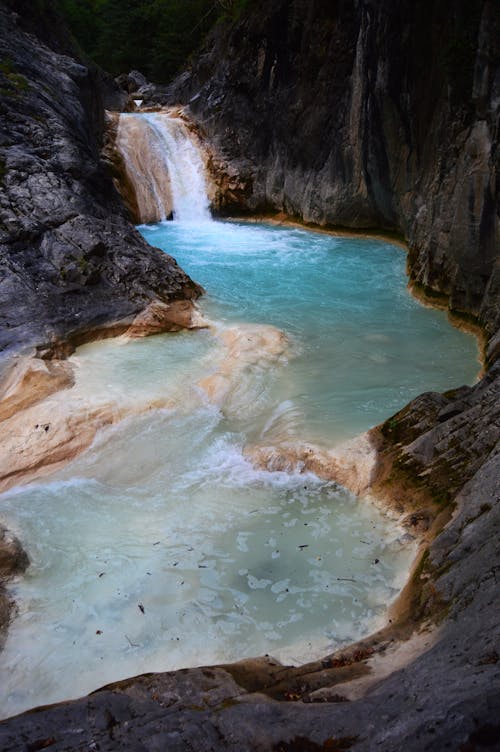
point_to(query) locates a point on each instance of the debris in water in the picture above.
(140, 607)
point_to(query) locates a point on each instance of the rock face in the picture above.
(13, 561)
(360, 114)
(365, 115)
(71, 264)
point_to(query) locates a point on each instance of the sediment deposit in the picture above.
(341, 114)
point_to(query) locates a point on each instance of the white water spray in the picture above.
(164, 166)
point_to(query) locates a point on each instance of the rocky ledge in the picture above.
(72, 267)
(338, 113)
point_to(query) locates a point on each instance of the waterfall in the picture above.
(164, 166)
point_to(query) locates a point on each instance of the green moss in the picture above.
(428, 601)
(82, 264)
(16, 82)
(452, 393)
(232, 10)
(230, 702)
(406, 474)
(6, 66)
(19, 81)
(389, 429)
(429, 292)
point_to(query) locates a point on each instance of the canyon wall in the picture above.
(71, 264)
(364, 115)
(356, 114)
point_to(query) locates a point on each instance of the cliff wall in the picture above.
(365, 115)
(362, 114)
(70, 262)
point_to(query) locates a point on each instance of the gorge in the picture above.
(429, 679)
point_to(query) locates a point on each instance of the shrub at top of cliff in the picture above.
(154, 36)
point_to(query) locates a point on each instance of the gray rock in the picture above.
(70, 261)
(363, 116)
(13, 558)
(13, 561)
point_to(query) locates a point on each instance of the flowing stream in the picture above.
(164, 545)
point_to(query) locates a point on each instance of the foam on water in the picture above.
(225, 561)
(162, 546)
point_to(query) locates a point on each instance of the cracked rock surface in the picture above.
(70, 261)
(346, 113)
(364, 115)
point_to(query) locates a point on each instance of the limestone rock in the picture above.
(13, 561)
(70, 262)
(357, 114)
(364, 116)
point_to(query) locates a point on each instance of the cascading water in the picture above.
(164, 166)
(167, 544)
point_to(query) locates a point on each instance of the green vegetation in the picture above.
(14, 82)
(155, 37)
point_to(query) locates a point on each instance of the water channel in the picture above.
(164, 545)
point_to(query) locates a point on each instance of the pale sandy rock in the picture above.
(30, 380)
(165, 317)
(352, 464)
(43, 437)
(245, 352)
